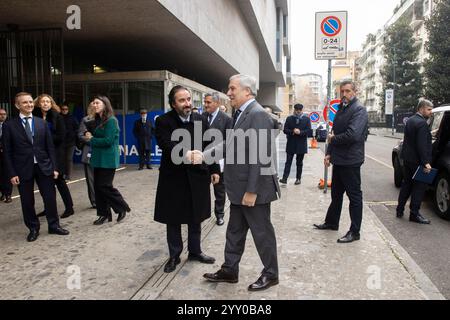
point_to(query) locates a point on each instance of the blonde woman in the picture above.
(46, 108)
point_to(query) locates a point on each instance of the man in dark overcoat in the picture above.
(143, 131)
(297, 129)
(183, 192)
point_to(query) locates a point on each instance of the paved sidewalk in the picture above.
(124, 261)
(386, 132)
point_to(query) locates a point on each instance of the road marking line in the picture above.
(386, 203)
(71, 182)
(380, 162)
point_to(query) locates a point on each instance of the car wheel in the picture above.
(398, 174)
(442, 196)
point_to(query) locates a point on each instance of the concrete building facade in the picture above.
(309, 91)
(344, 70)
(204, 41)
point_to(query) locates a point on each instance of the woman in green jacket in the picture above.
(104, 142)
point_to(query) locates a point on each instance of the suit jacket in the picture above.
(105, 145)
(222, 122)
(297, 144)
(248, 177)
(57, 126)
(183, 192)
(19, 151)
(417, 144)
(143, 133)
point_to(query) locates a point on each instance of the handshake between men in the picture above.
(195, 157)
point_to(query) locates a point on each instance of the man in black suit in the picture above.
(297, 129)
(346, 152)
(220, 121)
(143, 131)
(29, 155)
(416, 151)
(5, 184)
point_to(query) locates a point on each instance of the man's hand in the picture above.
(249, 199)
(326, 161)
(55, 175)
(330, 137)
(15, 180)
(297, 131)
(427, 168)
(215, 178)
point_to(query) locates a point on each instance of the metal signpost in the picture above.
(331, 43)
(389, 106)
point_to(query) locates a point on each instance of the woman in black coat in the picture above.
(46, 108)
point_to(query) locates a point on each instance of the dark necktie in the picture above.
(210, 117)
(28, 129)
(1, 129)
(235, 117)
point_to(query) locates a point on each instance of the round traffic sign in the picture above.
(333, 109)
(314, 117)
(331, 26)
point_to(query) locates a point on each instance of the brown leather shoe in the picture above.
(264, 282)
(221, 276)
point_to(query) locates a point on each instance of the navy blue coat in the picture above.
(143, 133)
(417, 143)
(297, 144)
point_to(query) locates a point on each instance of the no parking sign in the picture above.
(331, 35)
(330, 111)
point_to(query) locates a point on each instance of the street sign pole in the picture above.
(325, 189)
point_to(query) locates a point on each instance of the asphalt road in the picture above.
(428, 245)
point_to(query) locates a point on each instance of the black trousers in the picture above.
(287, 167)
(5, 183)
(64, 192)
(410, 187)
(346, 179)
(175, 241)
(106, 196)
(144, 156)
(89, 175)
(47, 190)
(219, 195)
(257, 219)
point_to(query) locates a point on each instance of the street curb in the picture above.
(429, 290)
(398, 138)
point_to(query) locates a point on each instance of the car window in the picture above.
(436, 123)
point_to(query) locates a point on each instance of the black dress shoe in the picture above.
(349, 237)
(149, 167)
(399, 214)
(67, 213)
(326, 226)
(418, 218)
(220, 221)
(221, 276)
(171, 265)
(283, 181)
(2, 198)
(203, 258)
(41, 214)
(59, 231)
(264, 282)
(8, 199)
(102, 220)
(141, 168)
(121, 216)
(298, 182)
(33, 235)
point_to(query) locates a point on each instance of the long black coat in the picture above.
(183, 193)
(143, 133)
(417, 143)
(297, 144)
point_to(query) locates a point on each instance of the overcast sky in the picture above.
(364, 17)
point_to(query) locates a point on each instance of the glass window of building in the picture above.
(113, 90)
(145, 94)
